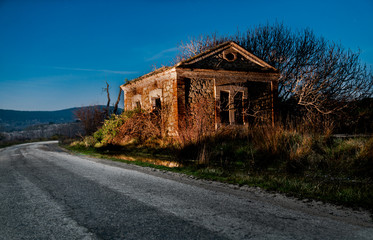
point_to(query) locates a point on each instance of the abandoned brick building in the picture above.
(231, 85)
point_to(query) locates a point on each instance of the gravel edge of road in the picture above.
(359, 217)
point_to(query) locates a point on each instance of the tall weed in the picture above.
(364, 163)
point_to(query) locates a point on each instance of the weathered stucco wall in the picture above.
(146, 90)
(196, 101)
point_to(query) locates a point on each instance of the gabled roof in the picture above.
(221, 47)
(230, 45)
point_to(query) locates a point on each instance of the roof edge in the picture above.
(157, 71)
(205, 54)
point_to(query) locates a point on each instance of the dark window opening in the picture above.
(224, 107)
(156, 103)
(138, 104)
(230, 56)
(238, 108)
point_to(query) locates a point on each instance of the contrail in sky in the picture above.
(96, 70)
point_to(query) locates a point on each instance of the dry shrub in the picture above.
(91, 118)
(289, 150)
(141, 126)
(304, 148)
(273, 139)
(89, 141)
(311, 123)
(214, 148)
(273, 145)
(364, 164)
(194, 130)
(198, 122)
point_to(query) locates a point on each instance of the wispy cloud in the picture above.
(162, 53)
(97, 70)
(42, 81)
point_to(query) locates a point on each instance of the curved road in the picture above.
(47, 193)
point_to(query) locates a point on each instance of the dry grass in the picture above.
(294, 160)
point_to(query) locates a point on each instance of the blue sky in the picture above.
(58, 54)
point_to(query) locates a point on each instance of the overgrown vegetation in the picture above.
(300, 162)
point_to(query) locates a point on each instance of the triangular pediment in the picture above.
(227, 56)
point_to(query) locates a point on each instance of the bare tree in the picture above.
(319, 76)
(91, 118)
(107, 109)
(117, 102)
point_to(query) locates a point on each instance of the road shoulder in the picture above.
(358, 217)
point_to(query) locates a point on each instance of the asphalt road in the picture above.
(47, 193)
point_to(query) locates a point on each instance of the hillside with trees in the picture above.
(19, 126)
(12, 120)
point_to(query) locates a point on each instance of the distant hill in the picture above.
(43, 131)
(12, 120)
